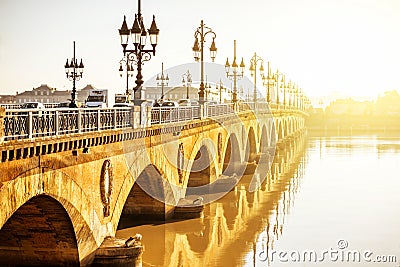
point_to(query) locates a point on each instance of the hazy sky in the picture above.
(348, 46)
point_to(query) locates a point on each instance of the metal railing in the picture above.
(220, 109)
(161, 115)
(32, 123)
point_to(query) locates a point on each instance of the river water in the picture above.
(328, 201)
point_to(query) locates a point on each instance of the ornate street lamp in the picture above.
(74, 73)
(198, 49)
(276, 80)
(124, 64)
(268, 81)
(220, 88)
(207, 88)
(235, 75)
(253, 69)
(187, 81)
(284, 87)
(162, 80)
(139, 54)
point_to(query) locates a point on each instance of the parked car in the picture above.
(63, 105)
(32, 105)
(170, 104)
(123, 105)
(188, 102)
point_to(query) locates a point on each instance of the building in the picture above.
(47, 94)
(7, 99)
(350, 107)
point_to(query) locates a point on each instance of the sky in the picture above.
(328, 47)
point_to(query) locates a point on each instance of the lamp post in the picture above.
(129, 72)
(187, 82)
(268, 81)
(139, 54)
(198, 49)
(235, 75)
(220, 88)
(284, 87)
(207, 89)
(276, 80)
(162, 80)
(74, 73)
(253, 68)
(292, 91)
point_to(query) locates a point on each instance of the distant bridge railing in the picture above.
(33, 123)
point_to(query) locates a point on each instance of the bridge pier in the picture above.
(119, 253)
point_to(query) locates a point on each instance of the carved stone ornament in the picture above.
(106, 186)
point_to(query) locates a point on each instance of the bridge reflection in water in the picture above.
(241, 223)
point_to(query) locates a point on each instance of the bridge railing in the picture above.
(161, 115)
(31, 123)
(220, 109)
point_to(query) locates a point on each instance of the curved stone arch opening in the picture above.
(251, 146)
(264, 140)
(288, 126)
(39, 233)
(273, 138)
(232, 157)
(203, 171)
(292, 125)
(244, 136)
(285, 128)
(148, 198)
(59, 186)
(281, 133)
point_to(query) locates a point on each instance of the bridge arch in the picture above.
(251, 146)
(281, 133)
(59, 186)
(148, 197)
(203, 170)
(285, 128)
(264, 139)
(40, 233)
(272, 124)
(231, 156)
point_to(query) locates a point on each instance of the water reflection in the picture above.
(350, 193)
(240, 222)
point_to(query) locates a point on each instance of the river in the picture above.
(328, 201)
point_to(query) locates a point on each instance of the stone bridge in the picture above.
(67, 177)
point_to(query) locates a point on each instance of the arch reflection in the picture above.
(240, 223)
